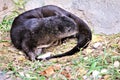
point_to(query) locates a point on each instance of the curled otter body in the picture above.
(42, 26)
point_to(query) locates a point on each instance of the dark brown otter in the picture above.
(42, 26)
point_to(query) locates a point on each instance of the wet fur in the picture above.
(36, 28)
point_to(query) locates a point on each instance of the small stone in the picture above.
(10, 72)
(27, 75)
(96, 45)
(103, 71)
(1, 72)
(116, 64)
(85, 58)
(21, 53)
(95, 73)
(21, 74)
(85, 77)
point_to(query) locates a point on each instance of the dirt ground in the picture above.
(12, 59)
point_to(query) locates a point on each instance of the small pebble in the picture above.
(116, 64)
(95, 73)
(21, 53)
(85, 58)
(103, 71)
(85, 77)
(21, 74)
(27, 75)
(96, 45)
(10, 72)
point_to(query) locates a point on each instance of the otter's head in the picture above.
(67, 27)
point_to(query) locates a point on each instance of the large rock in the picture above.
(31, 4)
(103, 16)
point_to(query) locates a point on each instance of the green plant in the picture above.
(19, 5)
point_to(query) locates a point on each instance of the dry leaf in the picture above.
(96, 38)
(21, 58)
(81, 71)
(3, 51)
(6, 44)
(57, 67)
(48, 72)
(66, 74)
(89, 51)
(107, 77)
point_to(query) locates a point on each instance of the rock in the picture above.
(96, 45)
(116, 64)
(86, 58)
(65, 4)
(85, 77)
(32, 4)
(95, 74)
(103, 71)
(103, 15)
(21, 74)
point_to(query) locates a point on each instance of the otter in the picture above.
(41, 27)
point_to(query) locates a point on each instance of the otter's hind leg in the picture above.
(28, 50)
(37, 51)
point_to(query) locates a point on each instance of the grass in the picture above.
(5, 24)
(76, 65)
(81, 65)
